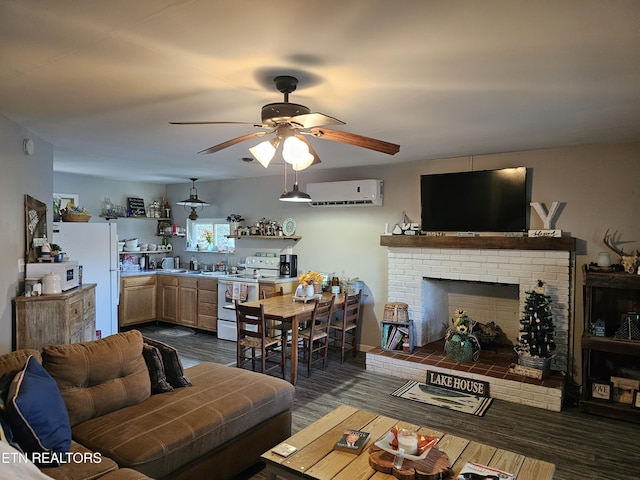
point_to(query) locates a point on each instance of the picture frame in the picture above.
(602, 390)
(65, 198)
(636, 399)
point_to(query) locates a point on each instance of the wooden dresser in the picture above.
(68, 317)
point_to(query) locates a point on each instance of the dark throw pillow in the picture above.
(155, 365)
(172, 364)
(36, 412)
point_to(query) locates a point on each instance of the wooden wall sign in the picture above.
(35, 227)
(460, 384)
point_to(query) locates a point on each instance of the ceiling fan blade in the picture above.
(233, 141)
(214, 123)
(312, 151)
(356, 140)
(315, 119)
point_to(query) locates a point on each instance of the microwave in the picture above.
(67, 271)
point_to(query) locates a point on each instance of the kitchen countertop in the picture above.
(192, 274)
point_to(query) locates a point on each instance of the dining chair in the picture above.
(253, 339)
(272, 324)
(345, 326)
(276, 293)
(315, 337)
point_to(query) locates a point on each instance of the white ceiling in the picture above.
(100, 80)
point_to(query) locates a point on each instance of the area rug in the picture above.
(176, 332)
(445, 398)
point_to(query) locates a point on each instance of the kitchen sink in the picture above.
(214, 274)
(173, 270)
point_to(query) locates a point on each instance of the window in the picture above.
(209, 234)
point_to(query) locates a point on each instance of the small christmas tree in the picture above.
(536, 325)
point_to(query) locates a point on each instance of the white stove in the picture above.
(255, 269)
(244, 288)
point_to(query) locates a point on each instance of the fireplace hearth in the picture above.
(436, 275)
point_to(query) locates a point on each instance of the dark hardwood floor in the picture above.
(581, 446)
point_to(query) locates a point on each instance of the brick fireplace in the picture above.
(487, 276)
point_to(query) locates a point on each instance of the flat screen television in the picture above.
(479, 201)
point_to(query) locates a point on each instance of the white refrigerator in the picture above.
(95, 247)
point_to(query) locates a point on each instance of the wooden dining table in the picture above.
(292, 312)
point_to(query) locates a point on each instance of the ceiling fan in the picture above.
(290, 123)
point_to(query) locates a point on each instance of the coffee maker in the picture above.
(288, 265)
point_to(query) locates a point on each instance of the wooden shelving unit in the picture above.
(607, 296)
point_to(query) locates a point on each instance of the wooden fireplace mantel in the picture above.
(506, 243)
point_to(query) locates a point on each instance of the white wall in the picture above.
(20, 174)
(92, 191)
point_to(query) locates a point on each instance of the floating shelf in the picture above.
(513, 243)
(115, 217)
(267, 237)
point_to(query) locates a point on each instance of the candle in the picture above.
(408, 441)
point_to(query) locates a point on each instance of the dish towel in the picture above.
(239, 292)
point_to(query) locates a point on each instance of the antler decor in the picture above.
(629, 262)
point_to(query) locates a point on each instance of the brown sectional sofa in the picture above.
(217, 427)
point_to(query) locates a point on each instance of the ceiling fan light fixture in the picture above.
(302, 165)
(296, 152)
(265, 151)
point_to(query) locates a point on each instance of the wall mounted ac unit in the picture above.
(354, 193)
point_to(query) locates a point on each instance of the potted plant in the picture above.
(234, 220)
(312, 280)
(56, 252)
(460, 344)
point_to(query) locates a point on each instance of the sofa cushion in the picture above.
(82, 464)
(14, 361)
(100, 376)
(168, 431)
(15, 467)
(36, 412)
(172, 364)
(155, 365)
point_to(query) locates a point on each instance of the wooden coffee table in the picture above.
(316, 459)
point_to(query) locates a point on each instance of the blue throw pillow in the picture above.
(36, 412)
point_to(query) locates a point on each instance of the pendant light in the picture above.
(294, 195)
(193, 202)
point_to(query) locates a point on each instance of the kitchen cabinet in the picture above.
(137, 300)
(178, 300)
(208, 304)
(607, 296)
(188, 301)
(68, 317)
(168, 298)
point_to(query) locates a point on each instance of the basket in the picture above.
(75, 217)
(539, 363)
(396, 312)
